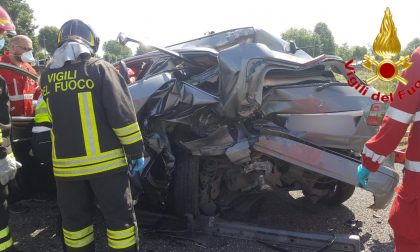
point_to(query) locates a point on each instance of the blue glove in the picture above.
(136, 166)
(362, 175)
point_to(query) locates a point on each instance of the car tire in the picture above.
(186, 185)
(340, 192)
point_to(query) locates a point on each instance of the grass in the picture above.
(385, 87)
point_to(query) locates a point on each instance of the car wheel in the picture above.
(337, 193)
(185, 185)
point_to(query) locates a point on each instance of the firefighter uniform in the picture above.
(41, 149)
(41, 114)
(41, 136)
(6, 242)
(94, 129)
(405, 109)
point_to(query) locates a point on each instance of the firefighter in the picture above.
(41, 149)
(94, 135)
(22, 89)
(8, 164)
(404, 216)
(41, 136)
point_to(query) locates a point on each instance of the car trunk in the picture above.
(334, 116)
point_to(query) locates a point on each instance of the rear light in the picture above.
(376, 114)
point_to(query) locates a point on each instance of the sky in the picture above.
(355, 22)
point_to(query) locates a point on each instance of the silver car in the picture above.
(238, 114)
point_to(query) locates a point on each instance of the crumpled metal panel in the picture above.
(297, 99)
(213, 145)
(142, 90)
(239, 153)
(163, 96)
(381, 183)
(241, 69)
(160, 101)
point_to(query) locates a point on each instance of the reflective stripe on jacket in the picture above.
(93, 118)
(41, 113)
(6, 241)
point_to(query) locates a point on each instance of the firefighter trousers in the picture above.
(77, 200)
(6, 242)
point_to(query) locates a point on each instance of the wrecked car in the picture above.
(234, 115)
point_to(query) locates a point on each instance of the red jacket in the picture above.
(403, 110)
(22, 90)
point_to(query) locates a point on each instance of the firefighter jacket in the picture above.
(93, 119)
(41, 113)
(22, 89)
(42, 119)
(6, 241)
(403, 110)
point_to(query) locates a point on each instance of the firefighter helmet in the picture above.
(77, 31)
(6, 24)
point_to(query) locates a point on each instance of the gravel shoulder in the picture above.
(36, 230)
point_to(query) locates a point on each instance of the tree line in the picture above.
(316, 42)
(321, 41)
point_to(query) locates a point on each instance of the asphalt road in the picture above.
(35, 231)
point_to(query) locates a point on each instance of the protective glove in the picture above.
(136, 166)
(8, 168)
(362, 175)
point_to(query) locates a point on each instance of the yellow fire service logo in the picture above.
(387, 45)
